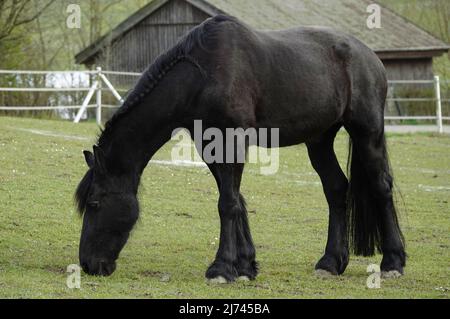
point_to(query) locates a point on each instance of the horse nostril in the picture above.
(98, 267)
(101, 268)
(105, 268)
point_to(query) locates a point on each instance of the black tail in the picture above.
(365, 226)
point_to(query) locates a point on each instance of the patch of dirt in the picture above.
(163, 277)
(184, 215)
(55, 269)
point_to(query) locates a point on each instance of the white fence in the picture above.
(438, 117)
(98, 83)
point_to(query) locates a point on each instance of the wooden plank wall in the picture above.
(154, 35)
(409, 69)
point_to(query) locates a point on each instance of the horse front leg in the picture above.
(235, 258)
(247, 266)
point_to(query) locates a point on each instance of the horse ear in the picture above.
(100, 162)
(89, 157)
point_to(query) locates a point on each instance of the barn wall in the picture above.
(135, 50)
(409, 69)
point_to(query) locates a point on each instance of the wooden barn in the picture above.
(406, 49)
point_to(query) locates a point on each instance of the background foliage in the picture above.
(40, 39)
(45, 42)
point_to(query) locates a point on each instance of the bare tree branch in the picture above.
(36, 15)
(16, 11)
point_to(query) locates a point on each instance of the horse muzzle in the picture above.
(98, 267)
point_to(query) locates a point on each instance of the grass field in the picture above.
(176, 238)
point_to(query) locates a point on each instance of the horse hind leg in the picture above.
(335, 184)
(373, 216)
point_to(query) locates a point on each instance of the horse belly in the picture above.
(301, 117)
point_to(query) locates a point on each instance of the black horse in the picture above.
(309, 82)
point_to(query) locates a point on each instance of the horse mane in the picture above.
(82, 192)
(199, 37)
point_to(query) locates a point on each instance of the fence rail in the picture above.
(24, 72)
(44, 89)
(42, 108)
(96, 88)
(100, 83)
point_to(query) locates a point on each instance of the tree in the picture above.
(16, 13)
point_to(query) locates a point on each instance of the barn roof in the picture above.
(398, 37)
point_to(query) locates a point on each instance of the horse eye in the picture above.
(94, 204)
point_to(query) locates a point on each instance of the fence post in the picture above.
(437, 90)
(99, 97)
(86, 101)
(111, 88)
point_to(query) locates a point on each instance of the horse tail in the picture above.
(365, 220)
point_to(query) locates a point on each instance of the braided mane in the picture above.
(149, 80)
(199, 37)
(155, 73)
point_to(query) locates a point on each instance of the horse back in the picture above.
(300, 80)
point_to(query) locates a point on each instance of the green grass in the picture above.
(176, 237)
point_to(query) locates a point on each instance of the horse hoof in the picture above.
(391, 274)
(324, 273)
(218, 280)
(243, 278)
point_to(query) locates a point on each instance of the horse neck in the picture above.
(136, 136)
